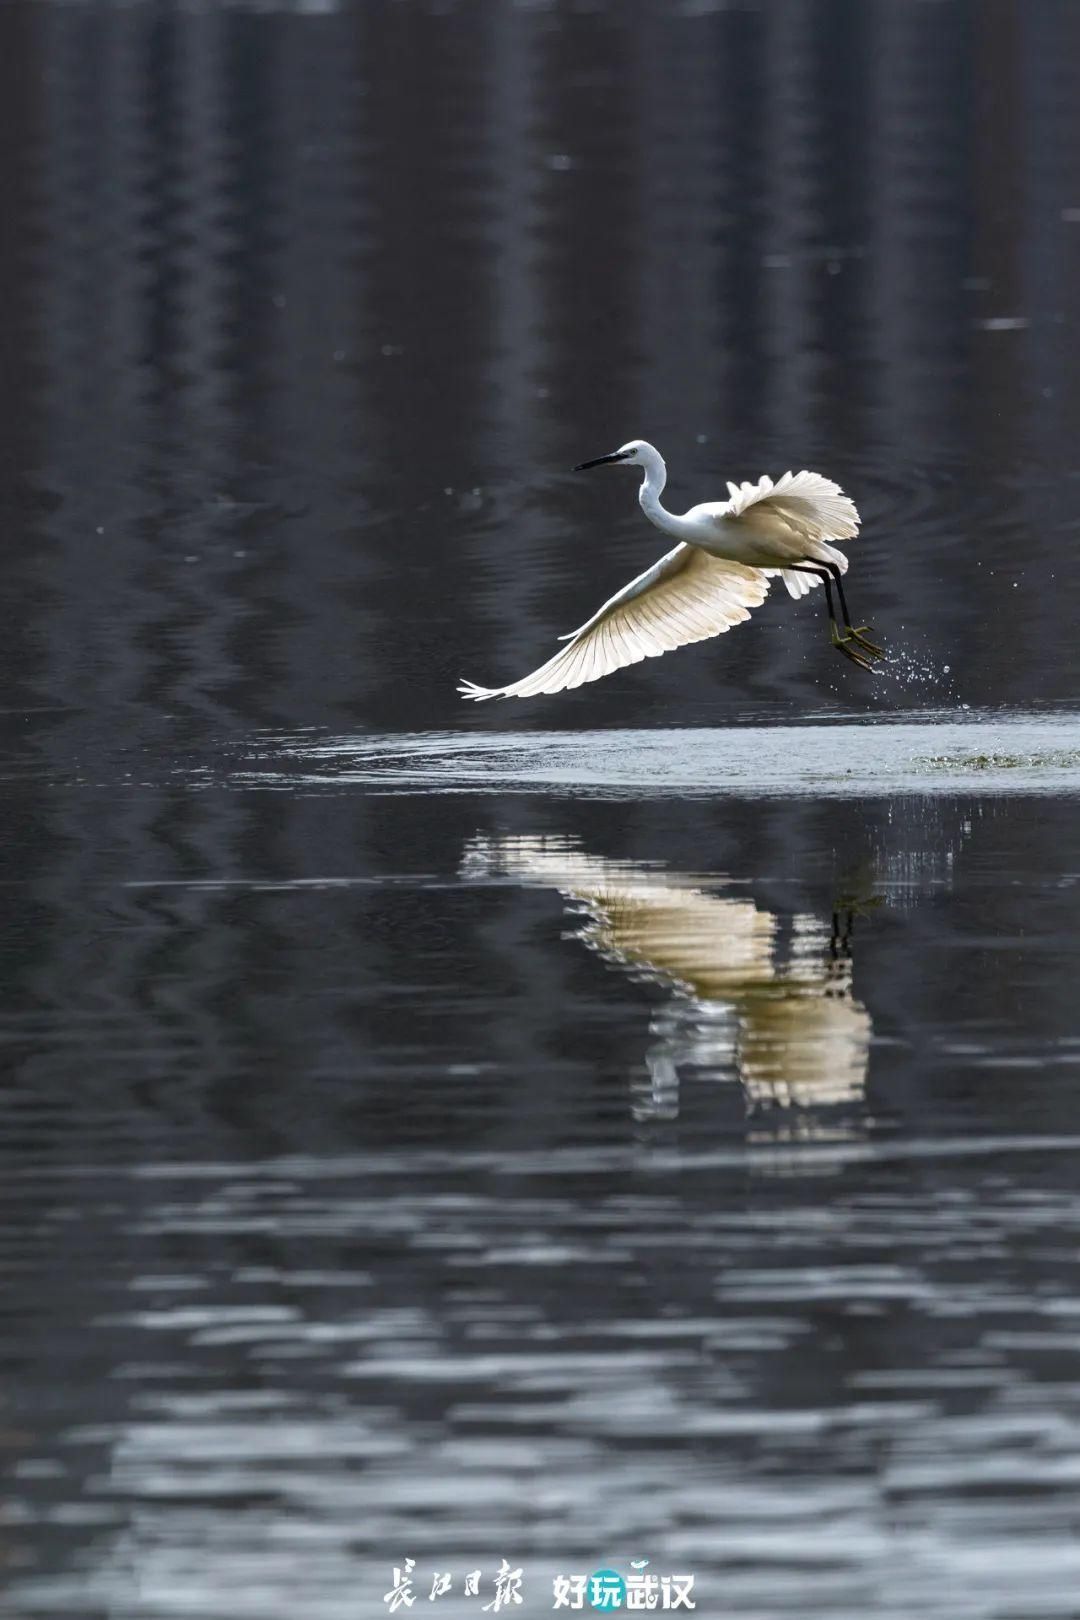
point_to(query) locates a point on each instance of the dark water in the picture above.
(639, 1124)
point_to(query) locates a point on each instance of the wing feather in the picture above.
(802, 506)
(687, 596)
(814, 506)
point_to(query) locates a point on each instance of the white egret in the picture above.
(727, 556)
(783, 1017)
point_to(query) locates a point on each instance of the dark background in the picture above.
(307, 314)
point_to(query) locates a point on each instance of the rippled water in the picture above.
(640, 1125)
(530, 1180)
(943, 752)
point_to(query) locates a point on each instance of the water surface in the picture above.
(941, 752)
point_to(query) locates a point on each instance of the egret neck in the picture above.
(652, 487)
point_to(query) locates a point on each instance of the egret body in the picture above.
(727, 556)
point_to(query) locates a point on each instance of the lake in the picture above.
(639, 1124)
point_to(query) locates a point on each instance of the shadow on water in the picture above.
(783, 1021)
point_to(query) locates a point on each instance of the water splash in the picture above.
(918, 671)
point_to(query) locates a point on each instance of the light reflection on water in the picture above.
(787, 1025)
(940, 752)
(835, 1399)
(701, 1279)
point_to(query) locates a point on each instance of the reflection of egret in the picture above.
(728, 552)
(785, 1021)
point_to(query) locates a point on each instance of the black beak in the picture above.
(601, 461)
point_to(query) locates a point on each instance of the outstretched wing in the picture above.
(799, 507)
(686, 596)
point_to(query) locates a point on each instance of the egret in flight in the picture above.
(727, 555)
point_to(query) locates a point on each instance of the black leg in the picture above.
(840, 953)
(860, 634)
(841, 643)
(834, 570)
(843, 926)
(823, 575)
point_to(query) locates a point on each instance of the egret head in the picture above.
(636, 453)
